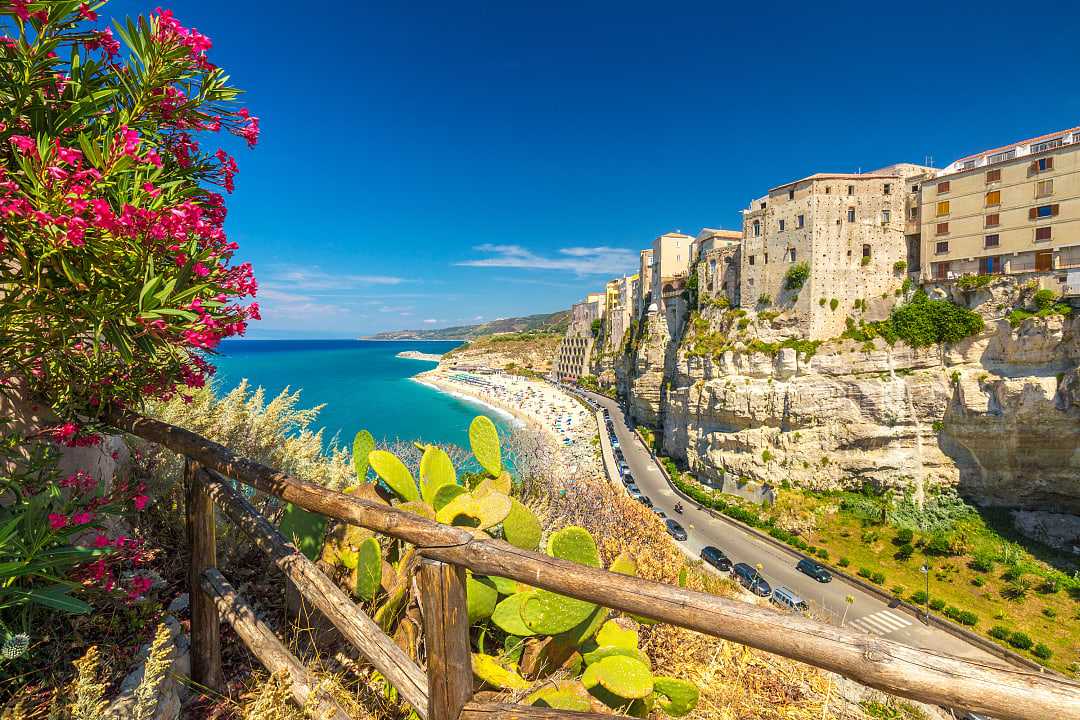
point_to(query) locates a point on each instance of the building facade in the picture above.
(849, 229)
(643, 294)
(671, 253)
(1010, 210)
(716, 255)
(621, 294)
(576, 347)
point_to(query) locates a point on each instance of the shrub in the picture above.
(923, 322)
(1049, 612)
(1044, 299)
(878, 578)
(899, 266)
(843, 562)
(766, 456)
(964, 617)
(865, 260)
(1012, 573)
(978, 581)
(822, 302)
(865, 572)
(117, 274)
(1050, 586)
(969, 283)
(833, 304)
(904, 536)
(797, 275)
(939, 544)
(919, 597)
(764, 299)
(982, 562)
(1000, 632)
(898, 590)
(1020, 640)
(937, 604)
(823, 553)
(904, 552)
(1042, 651)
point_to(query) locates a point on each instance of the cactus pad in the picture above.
(444, 495)
(574, 544)
(394, 473)
(482, 596)
(521, 528)
(490, 671)
(624, 564)
(304, 529)
(492, 509)
(612, 634)
(505, 586)
(549, 613)
(507, 615)
(584, 631)
(368, 569)
(564, 695)
(363, 444)
(621, 675)
(417, 507)
(513, 647)
(677, 697)
(484, 441)
(594, 656)
(436, 471)
(462, 510)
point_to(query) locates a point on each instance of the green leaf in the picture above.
(436, 471)
(490, 671)
(521, 527)
(362, 445)
(679, 697)
(624, 676)
(394, 473)
(484, 441)
(612, 634)
(148, 287)
(575, 544)
(304, 529)
(507, 615)
(368, 568)
(482, 597)
(57, 598)
(445, 494)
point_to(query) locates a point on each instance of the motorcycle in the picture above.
(678, 508)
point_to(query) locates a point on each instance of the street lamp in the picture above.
(925, 570)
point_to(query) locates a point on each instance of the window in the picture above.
(943, 207)
(1043, 164)
(1042, 234)
(993, 176)
(757, 228)
(942, 247)
(942, 229)
(1043, 211)
(763, 206)
(941, 270)
(802, 221)
(766, 261)
(1001, 157)
(990, 265)
(943, 187)
(791, 194)
(1044, 260)
(887, 190)
(993, 198)
(781, 226)
(851, 214)
(1046, 145)
(968, 164)
(1044, 188)
(886, 215)
(866, 251)
(915, 188)
(850, 189)
(992, 220)
(792, 253)
(991, 241)
(915, 213)
(828, 189)
(751, 259)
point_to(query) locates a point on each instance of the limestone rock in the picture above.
(172, 692)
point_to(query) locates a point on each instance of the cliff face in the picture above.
(997, 415)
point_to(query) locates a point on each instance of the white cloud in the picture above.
(431, 321)
(478, 318)
(600, 260)
(313, 279)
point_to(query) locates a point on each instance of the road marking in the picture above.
(882, 622)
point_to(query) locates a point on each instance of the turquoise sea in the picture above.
(361, 382)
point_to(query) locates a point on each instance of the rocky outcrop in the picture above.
(997, 415)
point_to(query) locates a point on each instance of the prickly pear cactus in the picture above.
(548, 613)
(490, 671)
(675, 697)
(444, 495)
(566, 695)
(394, 473)
(436, 471)
(613, 634)
(304, 529)
(623, 676)
(521, 527)
(363, 444)
(575, 544)
(368, 569)
(507, 615)
(482, 596)
(492, 509)
(484, 441)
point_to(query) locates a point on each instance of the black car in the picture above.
(716, 557)
(659, 513)
(751, 579)
(675, 530)
(644, 500)
(628, 480)
(814, 570)
(631, 486)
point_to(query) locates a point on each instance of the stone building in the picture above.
(620, 295)
(850, 231)
(643, 294)
(716, 255)
(671, 254)
(1009, 210)
(575, 349)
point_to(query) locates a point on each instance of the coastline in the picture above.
(415, 355)
(516, 417)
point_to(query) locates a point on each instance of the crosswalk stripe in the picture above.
(881, 623)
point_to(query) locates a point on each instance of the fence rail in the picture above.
(445, 693)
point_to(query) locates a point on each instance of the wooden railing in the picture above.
(444, 692)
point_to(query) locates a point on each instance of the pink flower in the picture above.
(86, 13)
(101, 541)
(104, 40)
(68, 155)
(201, 270)
(141, 501)
(25, 144)
(140, 584)
(19, 6)
(57, 521)
(151, 190)
(82, 518)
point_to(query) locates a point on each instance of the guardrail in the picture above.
(445, 690)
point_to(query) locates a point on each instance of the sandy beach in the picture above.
(416, 355)
(566, 421)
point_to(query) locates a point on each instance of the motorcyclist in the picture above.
(678, 507)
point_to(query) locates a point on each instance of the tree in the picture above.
(116, 272)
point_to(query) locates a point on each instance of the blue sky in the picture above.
(430, 163)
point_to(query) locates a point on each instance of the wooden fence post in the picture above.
(446, 637)
(202, 542)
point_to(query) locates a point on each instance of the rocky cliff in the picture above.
(997, 414)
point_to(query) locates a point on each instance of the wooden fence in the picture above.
(445, 690)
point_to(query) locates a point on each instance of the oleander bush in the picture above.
(117, 273)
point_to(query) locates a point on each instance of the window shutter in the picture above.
(1050, 165)
(1054, 209)
(1034, 167)
(1032, 214)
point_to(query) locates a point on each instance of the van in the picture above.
(785, 597)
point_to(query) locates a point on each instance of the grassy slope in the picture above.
(533, 351)
(555, 322)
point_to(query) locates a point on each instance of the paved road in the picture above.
(867, 614)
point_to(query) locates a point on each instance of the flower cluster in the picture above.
(112, 237)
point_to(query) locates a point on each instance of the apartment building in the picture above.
(643, 294)
(716, 254)
(848, 228)
(575, 349)
(620, 298)
(671, 255)
(1013, 209)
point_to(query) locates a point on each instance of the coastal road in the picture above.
(868, 614)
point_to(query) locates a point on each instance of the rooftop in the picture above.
(1021, 143)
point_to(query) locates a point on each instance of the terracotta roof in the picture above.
(838, 176)
(1003, 148)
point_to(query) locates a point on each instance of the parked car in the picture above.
(633, 491)
(659, 513)
(644, 500)
(751, 579)
(786, 597)
(614, 441)
(675, 530)
(716, 557)
(631, 486)
(814, 570)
